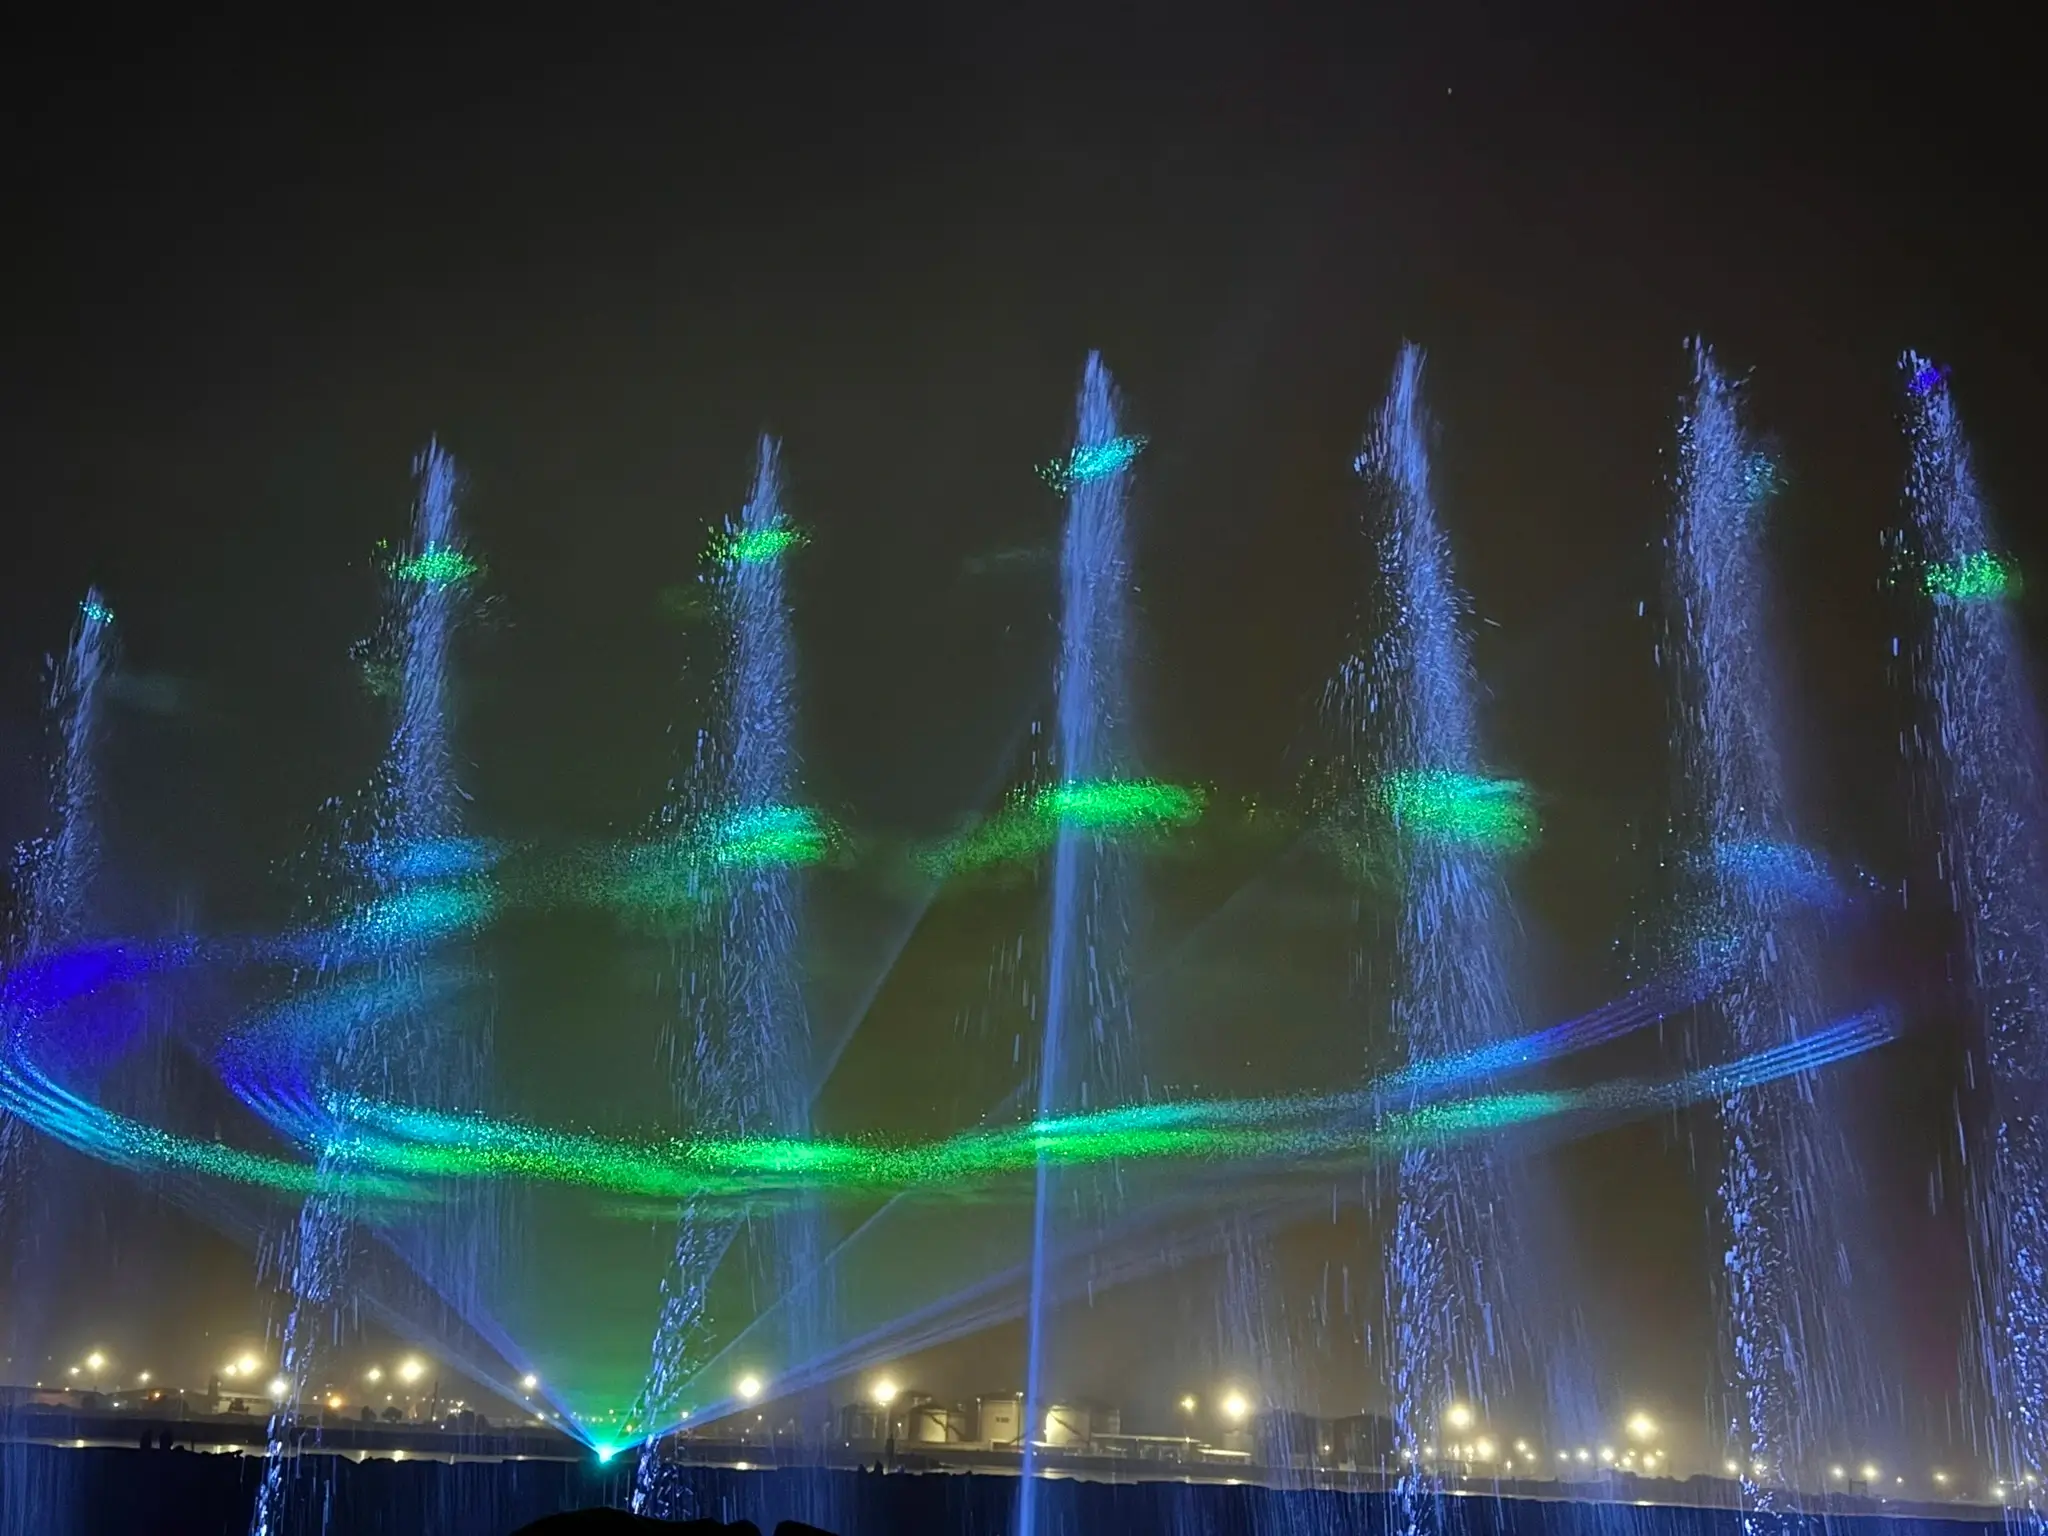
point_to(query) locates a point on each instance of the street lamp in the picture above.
(528, 1382)
(95, 1362)
(749, 1387)
(1235, 1407)
(1869, 1470)
(1458, 1416)
(885, 1392)
(280, 1389)
(1836, 1473)
(374, 1374)
(1641, 1426)
(1187, 1404)
(410, 1371)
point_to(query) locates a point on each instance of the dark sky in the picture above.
(251, 267)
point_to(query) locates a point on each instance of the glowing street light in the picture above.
(1187, 1404)
(95, 1362)
(411, 1370)
(374, 1374)
(142, 1380)
(334, 1400)
(1941, 1478)
(1836, 1473)
(280, 1388)
(1869, 1470)
(1606, 1454)
(1458, 1416)
(749, 1387)
(1235, 1407)
(1641, 1426)
(885, 1392)
(1482, 1449)
(1583, 1454)
(529, 1382)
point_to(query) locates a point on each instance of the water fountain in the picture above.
(742, 1042)
(1406, 711)
(1786, 1189)
(1085, 1051)
(1980, 736)
(414, 807)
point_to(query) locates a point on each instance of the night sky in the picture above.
(250, 269)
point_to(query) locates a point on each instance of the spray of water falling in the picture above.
(742, 1047)
(1794, 1368)
(1980, 736)
(1085, 1050)
(1408, 705)
(390, 1049)
(54, 873)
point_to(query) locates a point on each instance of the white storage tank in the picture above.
(935, 1424)
(1066, 1425)
(1002, 1419)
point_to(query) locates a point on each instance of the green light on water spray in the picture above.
(437, 566)
(1091, 461)
(1030, 822)
(1436, 805)
(95, 612)
(756, 546)
(1978, 577)
(767, 836)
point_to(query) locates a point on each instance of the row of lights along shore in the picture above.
(1236, 1408)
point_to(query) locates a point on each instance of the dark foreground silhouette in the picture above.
(51, 1490)
(616, 1522)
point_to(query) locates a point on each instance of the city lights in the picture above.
(95, 1362)
(142, 1379)
(374, 1374)
(1870, 1471)
(1836, 1473)
(528, 1382)
(749, 1387)
(1641, 1426)
(885, 1392)
(1187, 1404)
(280, 1388)
(1458, 1416)
(334, 1400)
(411, 1371)
(1235, 1407)
(1734, 1468)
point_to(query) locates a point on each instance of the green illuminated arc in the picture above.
(421, 1143)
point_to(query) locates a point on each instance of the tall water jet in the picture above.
(54, 873)
(399, 1051)
(1408, 703)
(1980, 734)
(1783, 1182)
(1085, 1055)
(743, 1046)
